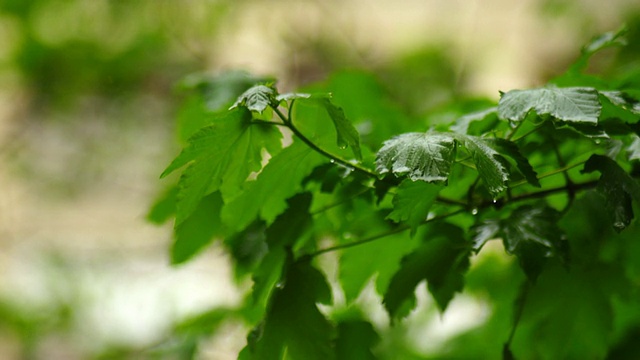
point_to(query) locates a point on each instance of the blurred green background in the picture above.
(88, 100)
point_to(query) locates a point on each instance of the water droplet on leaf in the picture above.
(474, 211)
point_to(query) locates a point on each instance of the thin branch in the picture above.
(338, 203)
(539, 194)
(519, 310)
(381, 235)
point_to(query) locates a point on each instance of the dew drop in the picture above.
(474, 211)
(597, 141)
(494, 201)
(342, 146)
(280, 284)
(619, 225)
(333, 161)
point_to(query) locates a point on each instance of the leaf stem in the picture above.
(519, 309)
(381, 235)
(289, 123)
(266, 122)
(551, 173)
(338, 203)
(514, 130)
(527, 133)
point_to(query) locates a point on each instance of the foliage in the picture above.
(551, 172)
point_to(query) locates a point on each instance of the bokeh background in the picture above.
(88, 101)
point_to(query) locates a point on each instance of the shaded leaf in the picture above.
(489, 163)
(441, 260)
(257, 98)
(574, 104)
(355, 340)
(420, 156)
(284, 233)
(617, 187)
(198, 230)
(412, 202)
(293, 323)
(509, 149)
(533, 235)
(346, 133)
(568, 315)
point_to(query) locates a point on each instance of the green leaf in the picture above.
(617, 187)
(567, 315)
(509, 149)
(164, 207)
(292, 96)
(485, 231)
(257, 98)
(462, 124)
(420, 156)
(280, 179)
(222, 89)
(489, 163)
(347, 134)
(532, 234)
(221, 156)
(379, 258)
(634, 148)
(287, 230)
(442, 260)
(574, 104)
(412, 202)
(293, 323)
(198, 230)
(355, 340)
(608, 39)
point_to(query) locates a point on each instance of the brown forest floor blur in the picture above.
(86, 117)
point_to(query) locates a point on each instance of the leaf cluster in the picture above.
(286, 180)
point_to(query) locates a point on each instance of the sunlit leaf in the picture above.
(257, 98)
(280, 179)
(576, 104)
(221, 156)
(420, 156)
(442, 261)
